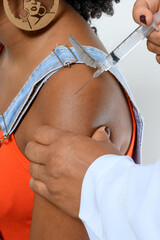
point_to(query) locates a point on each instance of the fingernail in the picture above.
(107, 130)
(143, 19)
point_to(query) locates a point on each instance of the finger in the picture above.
(154, 5)
(102, 134)
(153, 47)
(39, 188)
(38, 172)
(46, 135)
(158, 58)
(144, 10)
(154, 37)
(36, 153)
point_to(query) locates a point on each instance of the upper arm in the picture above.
(93, 106)
(59, 106)
(96, 105)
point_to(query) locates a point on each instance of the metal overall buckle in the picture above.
(67, 64)
(6, 136)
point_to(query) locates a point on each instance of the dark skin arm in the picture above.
(98, 104)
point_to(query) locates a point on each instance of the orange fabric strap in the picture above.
(1, 47)
(132, 143)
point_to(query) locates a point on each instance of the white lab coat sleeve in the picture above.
(120, 200)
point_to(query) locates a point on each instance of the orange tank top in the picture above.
(16, 199)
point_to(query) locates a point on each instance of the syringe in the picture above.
(136, 37)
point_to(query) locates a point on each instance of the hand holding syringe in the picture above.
(119, 52)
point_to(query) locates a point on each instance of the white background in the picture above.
(141, 71)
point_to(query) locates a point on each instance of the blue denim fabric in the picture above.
(62, 56)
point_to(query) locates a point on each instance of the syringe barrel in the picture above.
(132, 41)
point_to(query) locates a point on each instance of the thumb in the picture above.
(143, 11)
(102, 134)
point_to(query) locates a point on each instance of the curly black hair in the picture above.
(93, 8)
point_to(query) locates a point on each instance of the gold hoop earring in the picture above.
(34, 19)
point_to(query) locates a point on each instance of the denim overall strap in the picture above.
(60, 57)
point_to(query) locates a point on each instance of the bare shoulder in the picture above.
(101, 102)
